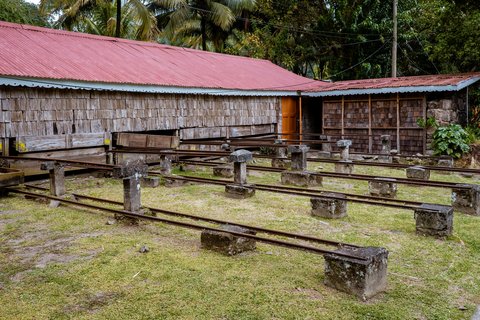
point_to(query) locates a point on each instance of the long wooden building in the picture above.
(65, 93)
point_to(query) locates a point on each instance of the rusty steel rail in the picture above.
(392, 203)
(362, 177)
(72, 163)
(130, 214)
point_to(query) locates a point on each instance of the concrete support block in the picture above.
(150, 182)
(131, 193)
(223, 170)
(418, 173)
(281, 163)
(237, 191)
(226, 243)
(345, 167)
(240, 156)
(466, 199)
(386, 149)
(445, 161)
(299, 157)
(327, 207)
(362, 278)
(382, 187)
(240, 173)
(131, 168)
(434, 220)
(301, 178)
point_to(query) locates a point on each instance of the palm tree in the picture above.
(101, 17)
(194, 22)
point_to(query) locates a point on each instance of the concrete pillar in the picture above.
(359, 277)
(418, 173)
(326, 207)
(386, 149)
(345, 167)
(227, 243)
(165, 165)
(240, 189)
(466, 199)
(344, 146)
(383, 187)
(131, 193)
(434, 220)
(299, 156)
(280, 160)
(327, 146)
(298, 176)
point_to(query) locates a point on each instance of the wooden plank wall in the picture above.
(27, 112)
(363, 119)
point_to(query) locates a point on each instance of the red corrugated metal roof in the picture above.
(406, 82)
(34, 52)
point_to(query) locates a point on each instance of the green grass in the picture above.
(67, 263)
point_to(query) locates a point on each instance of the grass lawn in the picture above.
(68, 263)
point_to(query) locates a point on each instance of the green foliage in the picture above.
(431, 122)
(19, 11)
(451, 140)
(99, 17)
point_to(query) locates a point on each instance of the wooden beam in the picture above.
(424, 121)
(398, 123)
(343, 112)
(300, 115)
(370, 138)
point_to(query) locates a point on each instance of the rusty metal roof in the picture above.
(41, 54)
(428, 83)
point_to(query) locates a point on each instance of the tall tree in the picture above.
(101, 17)
(197, 22)
(19, 11)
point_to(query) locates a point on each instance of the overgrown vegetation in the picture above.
(67, 263)
(451, 140)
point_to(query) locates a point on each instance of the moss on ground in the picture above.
(67, 263)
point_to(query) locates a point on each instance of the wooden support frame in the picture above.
(300, 117)
(343, 116)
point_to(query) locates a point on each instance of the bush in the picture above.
(451, 140)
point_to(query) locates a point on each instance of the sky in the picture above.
(33, 1)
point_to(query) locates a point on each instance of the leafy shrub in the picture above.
(451, 140)
(431, 122)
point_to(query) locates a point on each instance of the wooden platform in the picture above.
(10, 177)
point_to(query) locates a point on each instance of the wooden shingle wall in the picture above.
(52, 112)
(364, 119)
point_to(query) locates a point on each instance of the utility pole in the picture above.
(394, 46)
(119, 19)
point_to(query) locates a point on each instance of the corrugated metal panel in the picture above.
(69, 84)
(431, 83)
(33, 52)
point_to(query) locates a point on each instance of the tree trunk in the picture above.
(119, 18)
(204, 33)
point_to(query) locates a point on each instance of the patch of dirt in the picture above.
(93, 302)
(310, 293)
(48, 251)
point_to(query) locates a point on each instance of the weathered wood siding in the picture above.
(51, 112)
(364, 119)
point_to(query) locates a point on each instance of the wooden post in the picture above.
(398, 123)
(5, 146)
(300, 115)
(424, 121)
(343, 112)
(370, 138)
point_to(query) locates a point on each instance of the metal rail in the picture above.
(191, 225)
(438, 184)
(72, 163)
(392, 203)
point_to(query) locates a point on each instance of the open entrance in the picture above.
(311, 117)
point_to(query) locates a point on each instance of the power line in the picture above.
(356, 65)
